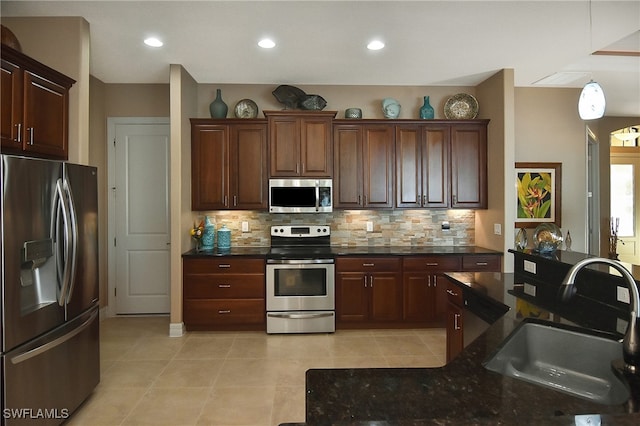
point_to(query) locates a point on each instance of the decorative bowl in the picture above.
(547, 238)
(353, 113)
(461, 107)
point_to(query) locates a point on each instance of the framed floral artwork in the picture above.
(539, 194)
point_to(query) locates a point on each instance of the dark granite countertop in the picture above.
(354, 251)
(463, 391)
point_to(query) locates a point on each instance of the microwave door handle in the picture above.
(317, 196)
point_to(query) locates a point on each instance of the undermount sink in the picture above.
(561, 358)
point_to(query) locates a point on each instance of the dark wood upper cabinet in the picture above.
(228, 164)
(300, 143)
(363, 166)
(469, 166)
(35, 107)
(441, 165)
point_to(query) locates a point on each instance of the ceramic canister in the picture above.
(224, 237)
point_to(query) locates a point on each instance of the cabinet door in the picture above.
(455, 334)
(352, 299)
(408, 166)
(469, 166)
(248, 170)
(435, 166)
(284, 143)
(46, 116)
(11, 106)
(209, 167)
(316, 147)
(418, 297)
(347, 166)
(386, 296)
(377, 166)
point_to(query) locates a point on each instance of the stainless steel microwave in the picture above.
(300, 195)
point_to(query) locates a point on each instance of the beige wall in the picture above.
(98, 158)
(548, 129)
(496, 94)
(137, 100)
(67, 51)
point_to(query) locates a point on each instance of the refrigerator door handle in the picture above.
(60, 226)
(73, 226)
(56, 342)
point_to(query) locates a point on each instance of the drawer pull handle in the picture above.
(456, 326)
(451, 292)
(224, 285)
(224, 265)
(481, 263)
(226, 311)
(432, 263)
(368, 264)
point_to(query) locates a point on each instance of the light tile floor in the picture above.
(232, 378)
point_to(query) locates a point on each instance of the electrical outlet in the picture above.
(530, 266)
(446, 225)
(245, 226)
(369, 226)
(497, 229)
(622, 294)
(530, 289)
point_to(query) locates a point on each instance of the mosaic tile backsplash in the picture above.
(348, 227)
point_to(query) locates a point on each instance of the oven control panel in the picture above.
(300, 231)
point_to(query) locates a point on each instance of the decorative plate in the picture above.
(246, 108)
(461, 107)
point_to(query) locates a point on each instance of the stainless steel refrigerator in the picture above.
(50, 325)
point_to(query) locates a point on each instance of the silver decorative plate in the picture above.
(461, 107)
(246, 108)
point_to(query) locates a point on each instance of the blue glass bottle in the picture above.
(427, 112)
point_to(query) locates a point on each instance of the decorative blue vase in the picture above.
(208, 234)
(224, 238)
(218, 108)
(427, 112)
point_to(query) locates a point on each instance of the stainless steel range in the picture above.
(300, 280)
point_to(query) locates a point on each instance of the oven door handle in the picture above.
(299, 261)
(307, 315)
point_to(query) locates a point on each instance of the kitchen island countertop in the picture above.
(463, 391)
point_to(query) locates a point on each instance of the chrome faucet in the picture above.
(631, 341)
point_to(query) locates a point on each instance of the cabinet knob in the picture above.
(432, 263)
(224, 311)
(224, 265)
(481, 263)
(369, 264)
(224, 285)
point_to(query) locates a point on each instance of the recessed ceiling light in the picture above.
(267, 43)
(153, 42)
(375, 45)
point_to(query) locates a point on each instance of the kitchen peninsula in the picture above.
(463, 391)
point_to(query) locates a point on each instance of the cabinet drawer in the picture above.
(224, 286)
(454, 294)
(432, 263)
(365, 264)
(211, 312)
(224, 265)
(481, 263)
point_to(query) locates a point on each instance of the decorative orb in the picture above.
(547, 237)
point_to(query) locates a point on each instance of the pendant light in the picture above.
(591, 104)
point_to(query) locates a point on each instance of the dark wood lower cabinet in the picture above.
(368, 292)
(224, 294)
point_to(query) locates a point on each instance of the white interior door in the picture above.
(140, 198)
